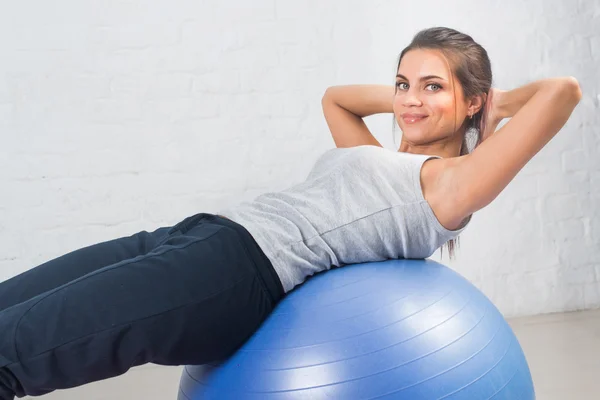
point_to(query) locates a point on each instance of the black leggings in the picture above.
(188, 294)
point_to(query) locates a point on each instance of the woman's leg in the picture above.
(194, 299)
(75, 264)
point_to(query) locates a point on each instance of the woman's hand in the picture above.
(492, 112)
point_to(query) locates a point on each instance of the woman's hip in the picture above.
(241, 243)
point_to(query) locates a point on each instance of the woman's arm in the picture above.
(539, 110)
(506, 103)
(363, 100)
(345, 107)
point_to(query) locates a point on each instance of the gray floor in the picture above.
(562, 350)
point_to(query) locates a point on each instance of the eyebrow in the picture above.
(423, 78)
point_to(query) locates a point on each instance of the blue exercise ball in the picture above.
(398, 329)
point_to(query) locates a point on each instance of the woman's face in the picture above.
(424, 104)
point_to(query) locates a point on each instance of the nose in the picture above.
(411, 98)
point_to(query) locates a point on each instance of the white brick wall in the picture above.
(118, 116)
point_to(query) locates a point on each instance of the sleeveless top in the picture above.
(358, 204)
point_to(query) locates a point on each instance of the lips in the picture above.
(412, 118)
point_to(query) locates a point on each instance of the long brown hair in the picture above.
(470, 63)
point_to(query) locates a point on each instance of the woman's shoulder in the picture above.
(440, 190)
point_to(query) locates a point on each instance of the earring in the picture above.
(470, 116)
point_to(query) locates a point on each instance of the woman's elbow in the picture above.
(572, 88)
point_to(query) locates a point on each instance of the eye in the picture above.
(399, 84)
(436, 85)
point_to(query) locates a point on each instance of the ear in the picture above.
(476, 103)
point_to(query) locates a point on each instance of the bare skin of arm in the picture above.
(457, 187)
(345, 107)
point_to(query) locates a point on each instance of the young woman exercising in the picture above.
(194, 292)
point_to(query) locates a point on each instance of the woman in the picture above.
(194, 292)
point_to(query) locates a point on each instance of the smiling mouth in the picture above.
(413, 120)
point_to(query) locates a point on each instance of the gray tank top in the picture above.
(358, 204)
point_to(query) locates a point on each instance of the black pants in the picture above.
(188, 294)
